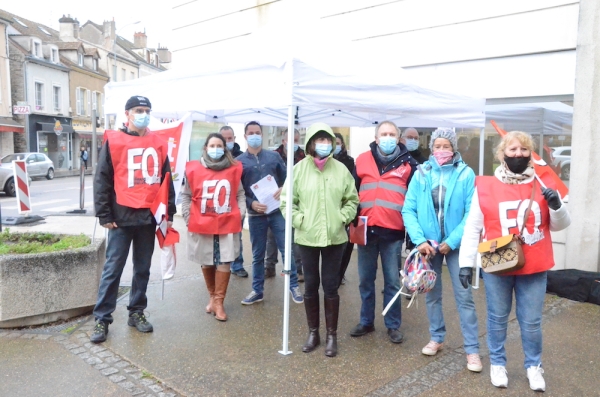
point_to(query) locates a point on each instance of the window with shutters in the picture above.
(88, 103)
(82, 98)
(39, 96)
(56, 95)
(78, 100)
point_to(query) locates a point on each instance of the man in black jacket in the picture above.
(126, 182)
(237, 266)
(410, 139)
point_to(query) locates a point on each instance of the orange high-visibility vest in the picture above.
(503, 207)
(137, 164)
(382, 196)
(214, 208)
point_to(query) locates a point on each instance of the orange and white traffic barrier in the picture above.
(22, 186)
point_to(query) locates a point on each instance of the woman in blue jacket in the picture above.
(436, 206)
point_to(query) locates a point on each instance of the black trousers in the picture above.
(330, 258)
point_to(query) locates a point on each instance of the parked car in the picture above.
(7, 181)
(38, 164)
(562, 159)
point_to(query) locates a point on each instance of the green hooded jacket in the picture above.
(323, 202)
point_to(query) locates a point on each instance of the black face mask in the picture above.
(517, 164)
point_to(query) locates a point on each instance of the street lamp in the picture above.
(113, 49)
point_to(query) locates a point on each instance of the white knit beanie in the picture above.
(446, 133)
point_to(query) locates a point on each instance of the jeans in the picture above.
(258, 237)
(330, 258)
(464, 304)
(119, 241)
(530, 291)
(367, 272)
(271, 257)
(238, 263)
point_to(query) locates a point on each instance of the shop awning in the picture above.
(88, 135)
(10, 125)
(49, 128)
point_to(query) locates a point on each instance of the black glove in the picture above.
(466, 276)
(552, 198)
(355, 221)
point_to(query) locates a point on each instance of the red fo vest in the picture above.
(503, 207)
(137, 163)
(214, 208)
(382, 196)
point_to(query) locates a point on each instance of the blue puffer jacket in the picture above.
(454, 184)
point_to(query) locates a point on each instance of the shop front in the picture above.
(83, 139)
(53, 137)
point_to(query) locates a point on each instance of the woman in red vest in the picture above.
(497, 209)
(213, 203)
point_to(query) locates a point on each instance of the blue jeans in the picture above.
(117, 249)
(238, 263)
(530, 291)
(464, 304)
(367, 273)
(258, 237)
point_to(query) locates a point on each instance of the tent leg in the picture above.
(288, 233)
(481, 150)
(162, 291)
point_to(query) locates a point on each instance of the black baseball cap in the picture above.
(137, 101)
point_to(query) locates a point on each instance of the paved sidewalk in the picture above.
(192, 354)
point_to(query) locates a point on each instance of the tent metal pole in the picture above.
(481, 150)
(287, 266)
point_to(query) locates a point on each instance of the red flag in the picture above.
(541, 167)
(159, 209)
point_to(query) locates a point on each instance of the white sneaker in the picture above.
(536, 378)
(432, 348)
(498, 375)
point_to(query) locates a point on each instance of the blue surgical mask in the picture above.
(230, 145)
(254, 141)
(323, 149)
(296, 146)
(337, 150)
(387, 144)
(141, 120)
(412, 145)
(215, 153)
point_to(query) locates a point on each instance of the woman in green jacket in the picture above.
(324, 201)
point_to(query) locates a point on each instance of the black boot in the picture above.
(311, 305)
(332, 309)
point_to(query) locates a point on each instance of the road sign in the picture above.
(22, 186)
(25, 109)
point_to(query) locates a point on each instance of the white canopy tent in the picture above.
(296, 82)
(546, 118)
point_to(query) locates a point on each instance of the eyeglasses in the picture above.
(411, 138)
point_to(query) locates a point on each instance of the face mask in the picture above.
(517, 164)
(323, 149)
(296, 146)
(337, 150)
(141, 120)
(230, 145)
(387, 144)
(215, 153)
(412, 145)
(443, 157)
(254, 141)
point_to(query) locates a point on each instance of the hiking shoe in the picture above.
(269, 272)
(498, 376)
(432, 348)
(240, 273)
(138, 320)
(395, 335)
(99, 333)
(474, 362)
(361, 330)
(296, 295)
(536, 378)
(252, 298)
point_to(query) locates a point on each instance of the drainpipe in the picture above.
(25, 63)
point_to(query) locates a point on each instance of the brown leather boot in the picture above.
(209, 279)
(311, 305)
(332, 309)
(221, 283)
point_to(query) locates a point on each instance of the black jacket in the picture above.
(345, 159)
(416, 154)
(105, 199)
(403, 157)
(236, 150)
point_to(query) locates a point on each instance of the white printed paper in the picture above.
(264, 191)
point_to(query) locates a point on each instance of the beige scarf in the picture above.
(510, 178)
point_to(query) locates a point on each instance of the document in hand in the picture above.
(264, 191)
(358, 233)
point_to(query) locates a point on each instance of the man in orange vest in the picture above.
(131, 166)
(382, 175)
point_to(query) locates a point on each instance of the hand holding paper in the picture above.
(265, 191)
